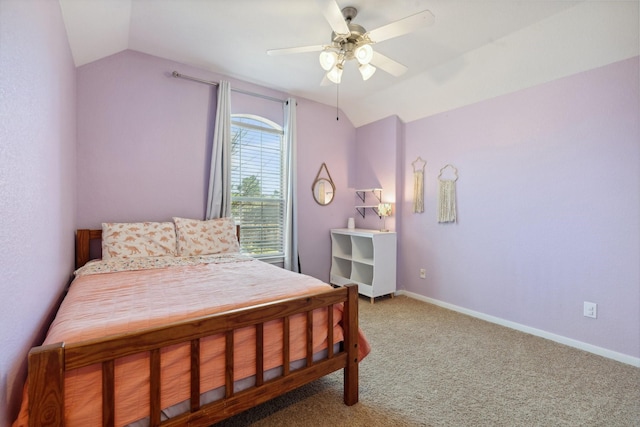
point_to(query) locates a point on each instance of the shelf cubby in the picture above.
(366, 258)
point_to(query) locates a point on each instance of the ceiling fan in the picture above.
(351, 41)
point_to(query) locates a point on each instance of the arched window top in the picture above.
(256, 122)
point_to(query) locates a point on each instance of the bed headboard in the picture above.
(83, 244)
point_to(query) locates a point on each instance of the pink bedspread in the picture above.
(108, 303)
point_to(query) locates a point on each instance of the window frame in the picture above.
(270, 127)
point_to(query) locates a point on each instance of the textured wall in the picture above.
(144, 148)
(37, 181)
(376, 163)
(548, 207)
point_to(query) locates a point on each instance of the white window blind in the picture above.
(257, 185)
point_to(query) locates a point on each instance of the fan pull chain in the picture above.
(337, 100)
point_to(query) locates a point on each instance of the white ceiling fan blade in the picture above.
(290, 50)
(402, 26)
(387, 64)
(333, 15)
(325, 81)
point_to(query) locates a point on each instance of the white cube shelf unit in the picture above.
(366, 258)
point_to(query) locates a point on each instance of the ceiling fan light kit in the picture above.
(335, 74)
(351, 41)
(328, 59)
(366, 70)
(333, 61)
(364, 53)
(344, 47)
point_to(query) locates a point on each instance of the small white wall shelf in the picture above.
(366, 258)
(362, 194)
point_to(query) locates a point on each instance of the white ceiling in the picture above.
(475, 50)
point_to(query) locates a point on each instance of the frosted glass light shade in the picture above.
(328, 59)
(364, 53)
(335, 74)
(366, 70)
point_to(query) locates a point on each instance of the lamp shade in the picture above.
(367, 70)
(364, 53)
(328, 59)
(384, 209)
(335, 74)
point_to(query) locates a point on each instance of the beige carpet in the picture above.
(433, 367)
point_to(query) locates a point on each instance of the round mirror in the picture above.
(323, 191)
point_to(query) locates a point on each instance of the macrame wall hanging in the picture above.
(418, 185)
(447, 196)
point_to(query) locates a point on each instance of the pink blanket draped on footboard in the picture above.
(109, 298)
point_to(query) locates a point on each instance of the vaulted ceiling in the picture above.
(474, 50)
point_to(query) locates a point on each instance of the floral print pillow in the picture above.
(138, 239)
(214, 236)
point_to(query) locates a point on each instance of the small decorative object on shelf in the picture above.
(384, 210)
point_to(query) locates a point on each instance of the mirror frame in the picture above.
(316, 184)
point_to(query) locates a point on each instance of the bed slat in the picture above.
(285, 346)
(259, 354)
(108, 393)
(330, 335)
(228, 364)
(351, 326)
(154, 387)
(310, 338)
(195, 375)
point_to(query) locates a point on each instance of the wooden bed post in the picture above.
(351, 370)
(82, 247)
(46, 386)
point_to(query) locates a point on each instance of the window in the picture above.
(258, 185)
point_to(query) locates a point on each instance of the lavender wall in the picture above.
(548, 208)
(535, 236)
(322, 138)
(376, 163)
(144, 147)
(37, 181)
(142, 141)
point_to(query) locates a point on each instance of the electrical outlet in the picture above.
(423, 273)
(590, 309)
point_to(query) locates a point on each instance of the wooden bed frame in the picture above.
(48, 364)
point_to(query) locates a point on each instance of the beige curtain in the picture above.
(219, 198)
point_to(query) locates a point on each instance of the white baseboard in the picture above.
(610, 354)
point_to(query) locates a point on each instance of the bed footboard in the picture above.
(48, 364)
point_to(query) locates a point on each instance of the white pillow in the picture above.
(138, 239)
(214, 236)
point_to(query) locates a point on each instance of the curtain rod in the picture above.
(195, 79)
